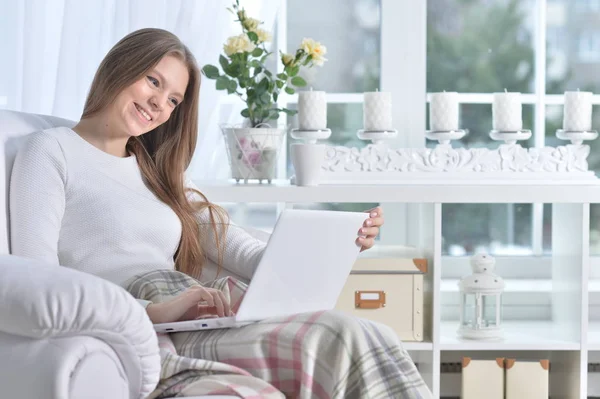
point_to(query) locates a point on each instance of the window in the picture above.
(477, 48)
(472, 47)
(588, 49)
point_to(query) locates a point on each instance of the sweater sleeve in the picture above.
(37, 198)
(241, 251)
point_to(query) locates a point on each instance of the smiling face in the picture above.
(149, 101)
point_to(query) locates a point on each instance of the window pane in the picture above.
(478, 119)
(573, 46)
(352, 41)
(480, 46)
(344, 120)
(554, 121)
(500, 229)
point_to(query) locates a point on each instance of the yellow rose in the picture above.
(263, 35)
(287, 59)
(238, 44)
(315, 49)
(251, 24)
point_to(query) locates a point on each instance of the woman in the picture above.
(109, 196)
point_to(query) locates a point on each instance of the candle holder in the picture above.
(576, 138)
(445, 137)
(376, 136)
(311, 136)
(510, 137)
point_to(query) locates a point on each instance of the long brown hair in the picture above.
(164, 153)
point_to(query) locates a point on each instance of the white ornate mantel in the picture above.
(379, 163)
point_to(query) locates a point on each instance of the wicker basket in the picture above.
(253, 152)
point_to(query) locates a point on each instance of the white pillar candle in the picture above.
(577, 111)
(443, 112)
(377, 111)
(312, 110)
(507, 112)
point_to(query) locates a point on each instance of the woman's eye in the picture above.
(153, 81)
(174, 102)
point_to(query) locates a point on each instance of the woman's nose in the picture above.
(155, 104)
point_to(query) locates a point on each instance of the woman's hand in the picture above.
(370, 229)
(194, 303)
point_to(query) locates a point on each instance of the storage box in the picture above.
(483, 379)
(527, 379)
(388, 291)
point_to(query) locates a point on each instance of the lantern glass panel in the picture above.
(469, 310)
(489, 304)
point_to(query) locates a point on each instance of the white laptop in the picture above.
(303, 269)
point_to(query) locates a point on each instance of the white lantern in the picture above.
(481, 300)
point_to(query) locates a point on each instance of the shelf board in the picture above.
(417, 346)
(512, 285)
(518, 335)
(426, 192)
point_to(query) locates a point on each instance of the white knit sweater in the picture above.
(75, 205)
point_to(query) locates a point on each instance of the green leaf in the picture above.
(265, 98)
(289, 90)
(263, 85)
(289, 111)
(273, 114)
(245, 113)
(268, 73)
(257, 70)
(282, 76)
(275, 97)
(224, 62)
(233, 69)
(255, 63)
(222, 83)
(253, 36)
(280, 83)
(298, 81)
(294, 71)
(232, 87)
(210, 71)
(257, 51)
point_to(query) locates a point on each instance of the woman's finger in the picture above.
(373, 222)
(374, 212)
(367, 243)
(218, 303)
(369, 232)
(201, 294)
(226, 304)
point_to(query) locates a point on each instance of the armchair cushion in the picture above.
(41, 301)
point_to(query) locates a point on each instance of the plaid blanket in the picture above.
(313, 355)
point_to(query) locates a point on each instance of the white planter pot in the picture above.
(253, 152)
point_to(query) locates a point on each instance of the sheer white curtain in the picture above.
(52, 48)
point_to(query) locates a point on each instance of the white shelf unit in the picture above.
(566, 339)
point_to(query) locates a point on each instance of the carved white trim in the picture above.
(508, 161)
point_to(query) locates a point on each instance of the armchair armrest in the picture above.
(41, 301)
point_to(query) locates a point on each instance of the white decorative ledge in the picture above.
(377, 163)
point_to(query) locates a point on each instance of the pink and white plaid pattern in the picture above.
(312, 355)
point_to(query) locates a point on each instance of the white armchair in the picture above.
(65, 334)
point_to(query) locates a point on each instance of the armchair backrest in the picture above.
(14, 127)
